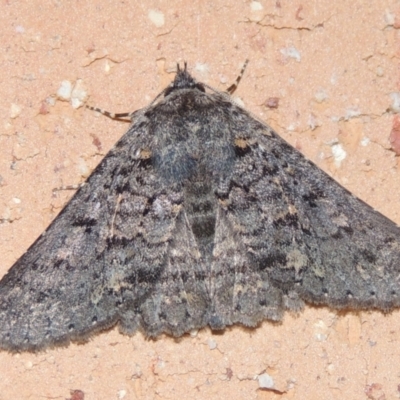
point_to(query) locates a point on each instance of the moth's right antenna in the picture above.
(234, 86)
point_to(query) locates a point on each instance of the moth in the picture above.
(200, 215)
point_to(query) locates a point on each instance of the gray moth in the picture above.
(200, 215)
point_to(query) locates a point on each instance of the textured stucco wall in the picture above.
(333, 65)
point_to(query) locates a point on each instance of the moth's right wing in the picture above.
(112, 254)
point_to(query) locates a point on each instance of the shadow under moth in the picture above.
(199, 215)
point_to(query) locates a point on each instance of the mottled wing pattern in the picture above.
(296, 235)
(102, 258)
(200, 215)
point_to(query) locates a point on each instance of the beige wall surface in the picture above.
(332, 69)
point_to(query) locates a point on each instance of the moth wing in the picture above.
(287, 233)
(180, 299)
(105, 258)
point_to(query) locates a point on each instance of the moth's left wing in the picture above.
(287, 232)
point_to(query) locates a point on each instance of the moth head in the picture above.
(183, 80)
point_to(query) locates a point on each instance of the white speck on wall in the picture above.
(157, 18)
(212, 344)
(29, 365)
(320, 96)
(312, 121)
(122, 394)
(334, 79)
(15, 110)
(64, 91)
(291, 383)
(330, 368)
(201, 68)
(19, 29)
(291, 52)
(50, 100)
(79, 94)
(75, 94)
(321, 337)
(321, 155)
(389, 17)
(16, 200)
(265, 381)
(395, 106)
(320, 331)
(365, 141)
(339, 154)
(256, 6)
(83, 168)
(107, 67)
(223, 79)
(352, 112)
(380, 71)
